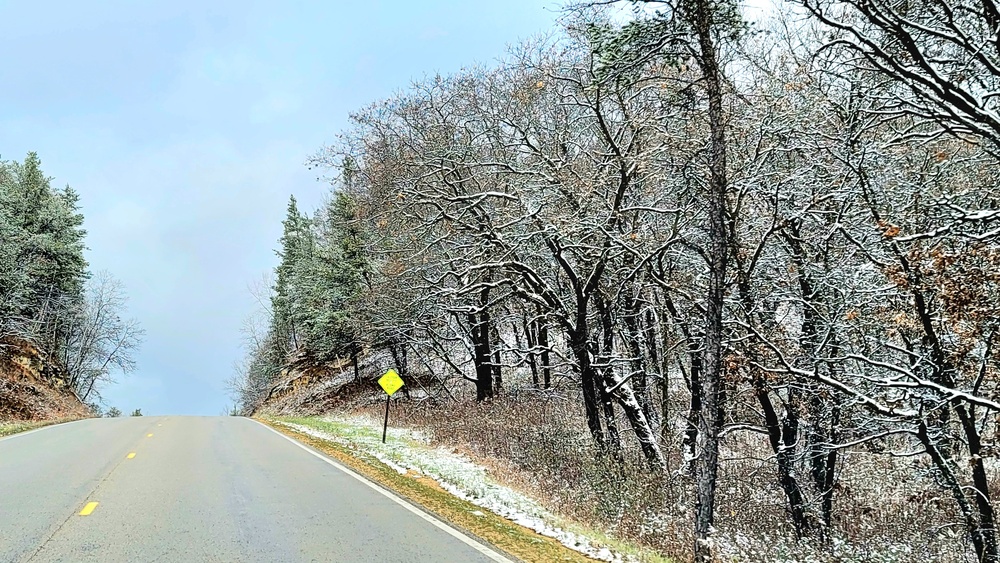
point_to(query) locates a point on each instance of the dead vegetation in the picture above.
(887, 508)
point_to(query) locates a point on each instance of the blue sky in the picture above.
(185, 126)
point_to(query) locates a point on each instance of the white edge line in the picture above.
(46, 427)
(494, 555)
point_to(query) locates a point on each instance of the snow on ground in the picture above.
(410, 450)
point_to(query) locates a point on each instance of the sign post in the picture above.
(390, 383)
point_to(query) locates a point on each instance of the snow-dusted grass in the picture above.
(409, 451)
(887, 510)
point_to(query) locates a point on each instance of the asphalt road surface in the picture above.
(201, 489)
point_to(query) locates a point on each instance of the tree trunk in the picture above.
(694, 410)
(692, 380)
(981, 487)
(666, 421)
(649, 337)
(481, 355)
(782, 435)
(822, 458)
(614, 439)
(479, 322)
(639, 383)
(543, 343)
(983, 539)
(717, 253)
(982, 525)
(354, 361)
(643, 430)
(497, 362)
(604, 354)
(531, 335)
(578, 338)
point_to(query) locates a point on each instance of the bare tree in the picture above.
(98, 341)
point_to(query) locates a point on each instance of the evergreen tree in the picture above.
(43, 267)
(13, 277)
(332, 280)
(293, 248)
(43, 274)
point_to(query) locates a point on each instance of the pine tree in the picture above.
(293, 249)
(13, 276)
(332, 281)
(43, 243)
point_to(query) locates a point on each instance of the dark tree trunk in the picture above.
(579, 343)
(783, 430)
(497, 361)
(983, 538)
(481, 355)
(543, 343)
(398, 350)
(981, 486)
(982, 523)
(649, 337)
(667, 421)
(782, 435)
(624, 394)
(701, 17)
(479, 321)
(694, 410)
(823, 459)
(531, 335)
(354, 361)
(614, 443)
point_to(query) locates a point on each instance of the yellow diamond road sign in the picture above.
(390, 382)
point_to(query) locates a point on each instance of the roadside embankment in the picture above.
(456, 488)
(33, 389)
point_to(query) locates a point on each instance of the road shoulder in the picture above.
(20, 427)
(515, 540)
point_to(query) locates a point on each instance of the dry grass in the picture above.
(16, 427)
(886, 509)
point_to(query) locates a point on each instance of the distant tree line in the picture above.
(48, 297)
(701, 228)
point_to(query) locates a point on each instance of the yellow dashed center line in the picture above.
(88, 509)
(131, 455)
(149, 435)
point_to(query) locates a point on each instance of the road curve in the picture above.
(200, 489)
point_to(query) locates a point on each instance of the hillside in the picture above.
(305, 387)
(33, 386)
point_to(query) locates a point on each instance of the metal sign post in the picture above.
(385, 425)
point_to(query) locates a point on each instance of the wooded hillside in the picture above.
(53, 311)
(758, 265)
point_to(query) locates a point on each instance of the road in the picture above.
(200, 489)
